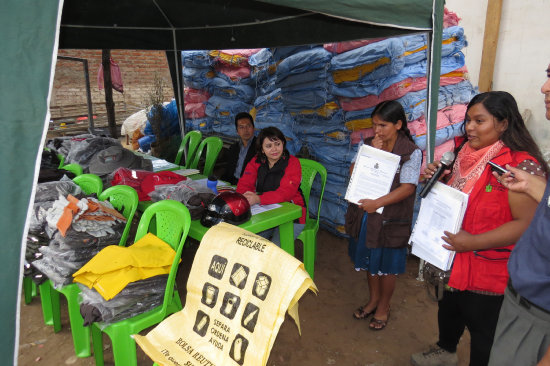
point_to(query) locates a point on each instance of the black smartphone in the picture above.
(497, 168)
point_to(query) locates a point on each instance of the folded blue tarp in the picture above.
(203, 125)
(225, 88)
(298, 100)
(222, 108)
(442, 135)
(197, 78)
(314, 59)
(196, 59)
(391, 48)
(306, 80)
(414, 103)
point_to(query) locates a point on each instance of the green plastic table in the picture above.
(283, 217)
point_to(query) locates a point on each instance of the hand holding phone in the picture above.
(499, 169)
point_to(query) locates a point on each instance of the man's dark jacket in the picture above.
(233, 158)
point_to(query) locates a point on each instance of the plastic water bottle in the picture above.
(212, 183)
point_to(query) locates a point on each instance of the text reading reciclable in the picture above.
(260, 247)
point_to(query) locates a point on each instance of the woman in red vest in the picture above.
(495, 219)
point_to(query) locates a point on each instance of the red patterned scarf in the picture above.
(470, 164)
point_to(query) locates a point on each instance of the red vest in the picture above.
(488, 208)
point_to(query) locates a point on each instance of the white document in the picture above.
(161, 164)
(186, 172)
(441, 210)
(372, 175)
(257, 208)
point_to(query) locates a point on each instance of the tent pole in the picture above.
(433, 73)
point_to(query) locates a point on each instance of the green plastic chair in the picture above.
(213, 147)
(61, 160)
(172, 220)
(73, 168)
(125, 199)
(89, 183)
(308, 236)
(190, 142)
(29, 289)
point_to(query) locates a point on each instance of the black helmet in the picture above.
(228, 206)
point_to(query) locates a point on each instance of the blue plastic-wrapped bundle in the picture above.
(197, 78)
(225, 88)
(415, 103)
(222, 112)
(415, 48)
(329, 151)
(283, 121)
(169, 124)
(222, 108)
(453, 40)
(391, 48)
(442, 135)
(196, 59)
(301, 62)
(317, 125)
(417, 70)
(225, 127)
(203, 125)
(266, 86)
(280, 53)
(298, 100)
(306, 80)
(416, 44)
(354, 90)
(262, 65)
(273, 100)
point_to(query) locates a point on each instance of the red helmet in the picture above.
(228, 206)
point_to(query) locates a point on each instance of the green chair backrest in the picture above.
(213, 147)
(89, 183)
(310, 169)
(61, 160)
(73, 168)
(125, 199)
(190, 142)
(172, 221)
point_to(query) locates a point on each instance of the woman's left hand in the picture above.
(252, 198)
(368, 205)
(458, 242)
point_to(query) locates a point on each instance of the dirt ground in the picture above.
(330, 335)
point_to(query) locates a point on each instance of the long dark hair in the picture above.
(503, 107)
(392, 111)
(271, 133)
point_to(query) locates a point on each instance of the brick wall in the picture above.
(137, 68)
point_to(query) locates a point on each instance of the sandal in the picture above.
(378, 324)
(360, 313)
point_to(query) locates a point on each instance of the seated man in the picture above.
(241, 151)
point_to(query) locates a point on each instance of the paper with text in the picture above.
(441, 210)
(239, 290)
(257, 208)
(372, 175)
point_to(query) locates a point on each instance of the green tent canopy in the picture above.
(33, 31)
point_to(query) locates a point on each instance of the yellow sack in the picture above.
(110, 270)
(239, 289)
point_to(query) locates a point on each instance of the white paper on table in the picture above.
(186, 172)
(441, 210)
(257, 208)
(161, 164)
(372, 175)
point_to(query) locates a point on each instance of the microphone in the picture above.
(446, 162)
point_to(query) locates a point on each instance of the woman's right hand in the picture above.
(431, 169)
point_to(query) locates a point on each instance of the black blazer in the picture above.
(233, 158)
